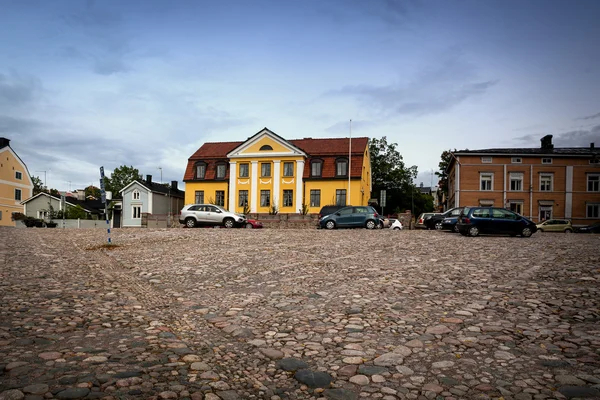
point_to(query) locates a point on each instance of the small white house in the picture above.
(147, 197)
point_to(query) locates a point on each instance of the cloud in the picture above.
(17, 89)
(448, 82)
(575, 138)
(594, 116)
(342, 128)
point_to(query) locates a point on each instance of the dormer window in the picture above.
(221, 170)
(200, 170)
(135, 195)
(316, 168)
(266, 147)
(341, 167)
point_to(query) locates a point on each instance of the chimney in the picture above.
(592, 146)
(173, 185)
(148, 178)
(4, 142)
(547, 142)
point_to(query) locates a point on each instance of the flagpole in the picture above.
(349, 163)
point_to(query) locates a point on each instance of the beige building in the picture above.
(538, 183)
(15, 183)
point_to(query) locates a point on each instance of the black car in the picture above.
(475, 220)
(595, 228)
(436, 220)
(449, 224)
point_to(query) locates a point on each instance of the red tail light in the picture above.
(466, 220)
(376, 215)
(420, 220)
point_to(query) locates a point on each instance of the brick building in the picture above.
(539, 183)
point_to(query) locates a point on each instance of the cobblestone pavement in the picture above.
(297, 314)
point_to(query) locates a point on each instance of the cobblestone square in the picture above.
(297, 314)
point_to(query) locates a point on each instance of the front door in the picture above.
(117, 218)
(545, 213)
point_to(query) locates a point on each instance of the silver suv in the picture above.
(209, 215)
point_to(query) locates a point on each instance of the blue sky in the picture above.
(145, 83)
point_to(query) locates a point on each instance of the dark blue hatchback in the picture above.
(475, 220)
(351, 217)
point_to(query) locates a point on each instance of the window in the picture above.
(503, 214)
(546, 161)
(516, 181)
(243, 198)
(137, 212)
(200, 170)
(340, 197)
(316, 167)
(595, 161)
(265, 169)
(42, 214)
(0, 215)
(18, 194)
(545, 212)
(546, 182)
(315, 198)
(486, 160)
(265, 147)
(288, 169)
(341, 167)
(265, 198)
(592, 210)
(18, 175)
(220, 198)
(221, 169)
(199, 196)
(288, 198)
(487, 181)
(244, 170)
(516, 160)
(135, 195)
(516, 207)
(593, 182)
(481, 213)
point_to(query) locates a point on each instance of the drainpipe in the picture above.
(530, 191)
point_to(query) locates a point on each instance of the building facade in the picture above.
(268, 173)
(15, 183)
(538, 183)
(147, 197)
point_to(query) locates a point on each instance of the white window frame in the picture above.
(595, 182)
(486, 160)
(516, 160)
(517, 177)
(134, 214)
(594, 214)
(491, 180)
(19, 175)
(546, 160)
(546, 175)
(135, 195)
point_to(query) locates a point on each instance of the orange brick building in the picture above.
(538, 183)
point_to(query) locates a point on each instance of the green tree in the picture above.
(38, 185)
(121, 177)
(443, 164)
(92, 191)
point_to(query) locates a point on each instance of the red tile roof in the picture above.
(327, 150)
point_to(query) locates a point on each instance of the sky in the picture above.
(85, 84)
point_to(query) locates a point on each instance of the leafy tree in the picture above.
(443, 164)
(38, 185)
(121, 177)
(92, 191)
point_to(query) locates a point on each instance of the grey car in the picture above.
(352, 217)
(210, 215)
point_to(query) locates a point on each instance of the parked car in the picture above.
(555, 225)
(326, 210)
(351, 217)
(420, 222)
(253, 224)
(435, 221)
(395, 224)
(449, 224)
(595, 228)
(210, 215)
(475, 220)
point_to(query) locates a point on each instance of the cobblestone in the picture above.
(297, 314)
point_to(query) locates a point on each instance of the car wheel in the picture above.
(397, 228)
(473, 231)
(228, 223)
(526, 232)
(248, 225)
(190, 222)
(330, 225)
(540, 230)
(371, 224)
(455, 229)
(438, 226)
(568, 230)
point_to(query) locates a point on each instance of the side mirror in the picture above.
(219, 211)
(338, 214)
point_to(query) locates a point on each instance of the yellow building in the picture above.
(15, 183)
(267, 172)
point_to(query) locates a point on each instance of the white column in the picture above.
(568, 191)
(299, 186)
(232, 181)
(254, 187)
(276, 182)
